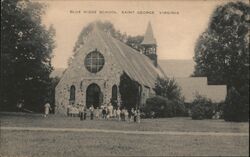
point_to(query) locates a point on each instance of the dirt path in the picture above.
(123, 131)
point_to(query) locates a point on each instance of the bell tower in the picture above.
(149, 45)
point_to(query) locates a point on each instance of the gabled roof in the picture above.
(191, 86)
(136, 65)
(149, 36)
(177, 68)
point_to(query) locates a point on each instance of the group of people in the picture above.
(104, 112)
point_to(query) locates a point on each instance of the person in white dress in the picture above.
(118, 114)
(47, 108)
(91, 109)
(19, 105)
(81, 110)
(126, 115)
(110, 111)
(97, 113)
(114, 113)
(138, 117)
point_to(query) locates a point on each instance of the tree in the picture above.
(135, 42)
(167, 88)
(51, 92)
(222, 51)
(129, 99)
(26, 49)
(168, 101)
(107, 26)
(236, 108)
(202, 108)
(158, 107)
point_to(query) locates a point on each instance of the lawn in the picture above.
(45, 143)
(163, 124)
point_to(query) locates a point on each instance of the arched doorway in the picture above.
(93, 95)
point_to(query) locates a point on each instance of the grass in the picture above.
(42, 143)
(164, 124)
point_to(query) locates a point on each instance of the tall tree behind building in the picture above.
(106, 26)
(26, 52)
(222, 54)
(135, 42)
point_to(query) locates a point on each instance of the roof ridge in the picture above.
(135, 52)
(138, 66)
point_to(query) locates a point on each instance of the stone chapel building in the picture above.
(93, 77)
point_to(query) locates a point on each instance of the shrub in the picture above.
(202, 108)
(236, 107)
(168, 110)
(159, 107)
(168, 102)
(154, 107)
(219, 108)
(180, 109)
(167, 88)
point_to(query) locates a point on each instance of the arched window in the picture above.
(114, 95)
(72, 95)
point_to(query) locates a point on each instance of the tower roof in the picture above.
(149, 36)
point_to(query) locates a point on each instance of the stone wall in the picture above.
(77, 75)
(81, 78)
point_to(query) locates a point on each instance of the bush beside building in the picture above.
(161, 107)
(202, 108)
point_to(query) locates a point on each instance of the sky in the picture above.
(176, 33)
